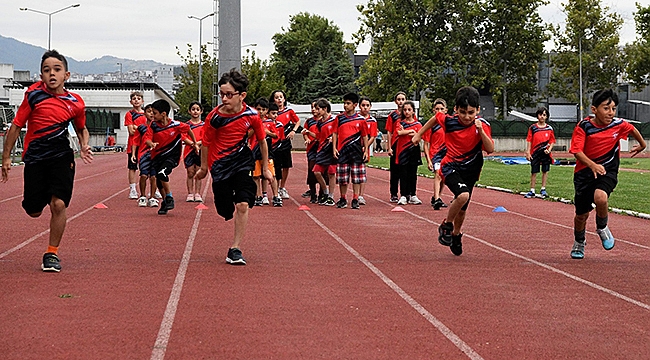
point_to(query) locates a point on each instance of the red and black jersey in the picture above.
(325, 154)
(138, 136)
(197, 129)
(600, 144)
(48, 116)
(311, 124)
(436, 139)
(391, 121)
(169, 139)
(289, 119)
(131, 118)
(464, 147)
(277, 144)
(226, 136)
(407, 153)
(350, 130)
(539, 138)
(372, 126)
(269, 125)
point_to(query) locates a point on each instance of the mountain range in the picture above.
(28, 57)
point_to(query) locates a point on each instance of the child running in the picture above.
(364, 110)
(191, 158)
(144, 163)
(130, 120)
(466, 137)
(47, 110)
(407, 154)
(434, 151)
(539, 142)
(596, 145)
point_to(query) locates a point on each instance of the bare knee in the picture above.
(463, 198)
(600, 198)
(241, 208)
(57, 206)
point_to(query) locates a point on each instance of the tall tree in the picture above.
(329, 78)
(308, 40)
(189, 79)
(638, 53)
(262, 77)
(591, 31)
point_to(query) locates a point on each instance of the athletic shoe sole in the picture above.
(235, 262)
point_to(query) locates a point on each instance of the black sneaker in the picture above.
(438, 204)
(444, 233)
(354, 204)
(342, 203)
(433, 201)
(313, 199)
(322, 199)
(329, 201)
(51, 263)
(163, 207)
(235, 258)
(277, 201)
(306, 194)
(394, 198)
(258, 201)
(456, 244)
(170, 202)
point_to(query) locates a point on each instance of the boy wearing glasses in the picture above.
(228, 158)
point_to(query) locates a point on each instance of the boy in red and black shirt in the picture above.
(596, 146)
(350, 137)
(364, 110)
(391, 135)
(144, 163)
(434, 151)
(325, 163)
(132, 119)
(164, 138)
(309, 131)
(229, 160)
(539, 142)
(466, 137)
(47, 110)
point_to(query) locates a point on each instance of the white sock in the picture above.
(132, 186)
(532, 190)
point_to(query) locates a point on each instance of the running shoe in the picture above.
(322, 199)
(329, 201)
(355, 204)
(578, 250)
(362, 201)
(342, 203)
(306, 194)
(543, 193)
(283, 193)
(170, 202)
(529, 195)
(444, 233)
(198, 198)
(190, 198)
(158, 195)
(606, 237)
(394, 198)
(235, 257)
(438, 204)
(433, 201)
(258, 201)
(142, 201)
(313, 199)
(413, 200)
(163, 208)
(277, 201)
(153, 202)
(133, 194)
(402, 201)
(456, 244)
(51, 263)
(265, 200)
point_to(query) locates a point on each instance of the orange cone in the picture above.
(100, 206)
(201, 207)
(398, 209)
(304, 208)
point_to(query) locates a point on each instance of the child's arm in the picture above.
(196, 146)
(10, 140)
(203, 170)
(488, 145)
(271, 134)
(134, 150)
(334, 144)
(85, 151)
(417, 137)
(640, 146)
(527, 152)
(597, 169)
(427, 154)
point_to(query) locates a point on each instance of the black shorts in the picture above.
(457, 186)
(46, 179)
(283, 159)
(131, 165)
(192, 159)
(540, 161)
(163, 167)
(236, 189)
(584, 191)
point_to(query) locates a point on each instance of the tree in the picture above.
(263, 78)
(592, 31)
(309, 40)
(638, 53)
(329, 78)
(189, 80)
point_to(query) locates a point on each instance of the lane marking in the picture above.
(31, 239)
(538, 263)
(442, 328)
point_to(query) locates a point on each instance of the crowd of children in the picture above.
(247, 149)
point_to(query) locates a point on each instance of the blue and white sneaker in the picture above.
(606, 237)
(543, 193)
(529, 195)
(578, 250)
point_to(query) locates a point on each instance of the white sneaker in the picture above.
(362, 201)
(402, 201)
(265, 201)
(133, 194)
(198, 198)
(153, 202)
(283, 193)
(142, 201)
(190, 198)
(414, 200)
(158, 195)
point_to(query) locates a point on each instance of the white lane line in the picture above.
(444, 330)
(540, 264)
(162, 340)
(28, 241)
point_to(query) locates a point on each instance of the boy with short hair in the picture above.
(47, 110)
(130, 119)
(539, 142)
(364, 110)
(164, 138)
(229, 160)
(350, 139)
(466, 136)
(325, 163)
(144, 163)
(268, 114)
(434, 151)
(596, 145)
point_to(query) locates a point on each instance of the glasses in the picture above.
(228, 95)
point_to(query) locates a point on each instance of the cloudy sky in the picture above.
(151, 30)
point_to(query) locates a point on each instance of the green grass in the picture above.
(630, 194)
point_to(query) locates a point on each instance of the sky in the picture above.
(147, 30)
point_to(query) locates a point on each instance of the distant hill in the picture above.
(28, 57)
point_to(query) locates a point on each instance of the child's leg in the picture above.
(436, 186)
(455, 210)
(143, 185)
(57, 221)
(544, 178)
(602, 208)
(321, 181)
(458, 221)
(191, 183)
(274, 187)
(241, 218)
(332, 184)
(259, 184)
(152, 185)
(533, 180)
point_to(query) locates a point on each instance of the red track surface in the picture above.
(326, 283)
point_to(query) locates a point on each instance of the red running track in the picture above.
(324, 283)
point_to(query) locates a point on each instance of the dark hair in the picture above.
(273, 107)
(195, 103)
(261, 102)
(351, 97)
(541, 110)
(365, 98)
(148, 106)
(407, 102)
(272, 97)
(467, 96)
(162, 106)
(324, 104)
(606, 95)
(54, 54)
(233, 77)
(136, 93)
(440, 101)
(398, 94)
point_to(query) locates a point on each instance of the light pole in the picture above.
(49, 20)
(585, 32)
(200, 44)
(120, 64)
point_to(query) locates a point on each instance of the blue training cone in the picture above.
(499, 209)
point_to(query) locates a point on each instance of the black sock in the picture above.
(601, 223)
(579, 236)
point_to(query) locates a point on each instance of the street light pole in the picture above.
(580, 56)
(121, 78)
(200, 44)
(49, 20)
